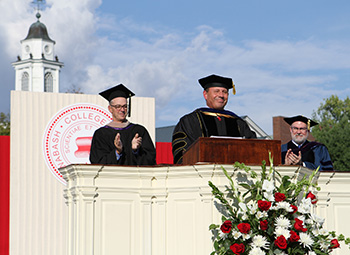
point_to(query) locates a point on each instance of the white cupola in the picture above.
(37, 68)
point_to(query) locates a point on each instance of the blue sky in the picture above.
(284, 56)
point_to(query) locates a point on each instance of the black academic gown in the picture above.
(313, 154)
(103, 150)
(206, 122)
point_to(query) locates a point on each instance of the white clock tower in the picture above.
(37, 69)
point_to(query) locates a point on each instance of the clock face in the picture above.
(27, 48)
(47, 49)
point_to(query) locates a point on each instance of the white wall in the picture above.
(38, 213)
(168, 210)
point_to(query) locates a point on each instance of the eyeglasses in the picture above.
(297, 129)
(119, 107)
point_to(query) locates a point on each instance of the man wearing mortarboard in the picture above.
(299, 151)
(209, 121)
(121, 142)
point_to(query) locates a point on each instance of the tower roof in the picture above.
(38, 30)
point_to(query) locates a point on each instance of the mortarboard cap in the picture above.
(307, 121)
(116, 91)
(217, 81)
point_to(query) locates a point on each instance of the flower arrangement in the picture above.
(273, 216)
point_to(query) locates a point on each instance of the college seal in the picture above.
(67, 138)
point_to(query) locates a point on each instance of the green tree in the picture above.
(4, 124)
(333, 130)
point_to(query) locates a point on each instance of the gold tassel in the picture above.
(233, 88)
(308, 124)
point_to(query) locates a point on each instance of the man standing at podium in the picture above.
(209, 121)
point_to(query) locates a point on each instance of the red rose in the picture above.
(298, 225)
(295, 209)
(263, 225)
(279, 197)
(264, 205)
(334, 244)
(293, 236)
(237, 248)
(281, 242)
(312, 197)
(226, 226)
(243, 228)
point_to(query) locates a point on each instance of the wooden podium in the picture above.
(228, 151)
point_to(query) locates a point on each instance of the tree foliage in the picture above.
(74, 89)
(4, 124)
(333, 130)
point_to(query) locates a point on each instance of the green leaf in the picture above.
(213, 226)
(244, 185)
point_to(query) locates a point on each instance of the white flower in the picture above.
(243, 211)
(284, 205)
(282, 232)
(260, 214)
(260, 242)
(282, 222)
(244, 216)
(311, 253)
(305, 206)
(269, 196)
(323, 232)
(236, 234)
(268, 186)
(315, 231)
(253, 207)
(319, 220)
(323, 245)
(243, 207)
(222, 235)
(256, 251)
(246, 236)
(306, 240)
(309, 221)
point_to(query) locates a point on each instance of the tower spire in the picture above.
(38, 7)
(37, 69)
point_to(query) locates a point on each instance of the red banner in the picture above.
(5, 194)
(164, 153)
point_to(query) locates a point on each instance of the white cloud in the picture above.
(98, 50)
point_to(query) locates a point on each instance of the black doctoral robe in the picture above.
(103, 150)
(206, 122)
(313, 154)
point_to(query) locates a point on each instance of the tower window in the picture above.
(25, 81)
(48, 86)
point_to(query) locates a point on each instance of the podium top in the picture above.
(228, 150)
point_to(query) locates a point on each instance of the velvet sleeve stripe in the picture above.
(178, 146)
(178, 135)
(178, 158)
(179, 143)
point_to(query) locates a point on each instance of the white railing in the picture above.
(166, 210)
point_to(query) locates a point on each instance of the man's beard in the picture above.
(300, 139)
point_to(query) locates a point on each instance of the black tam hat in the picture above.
(307, 121)
(118, 91)
(217, 81)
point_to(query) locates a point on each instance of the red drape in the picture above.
(5, 194)
(164, 154)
